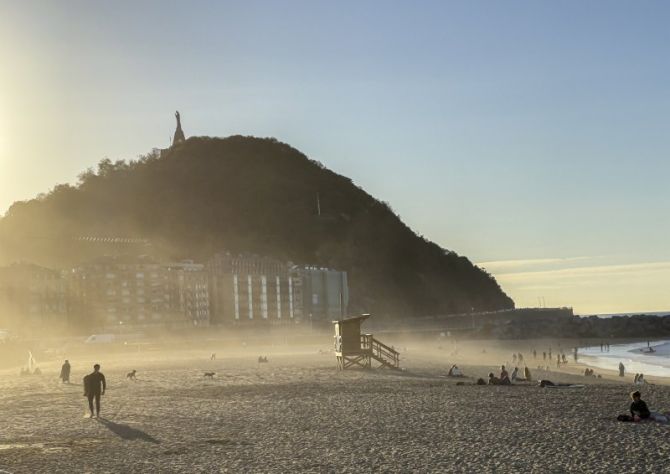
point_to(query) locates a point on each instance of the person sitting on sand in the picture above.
(493, 380)
(640, 380)
(638, 409)
(504, 376)
(516, 377)
(503, 372)
(455, 371)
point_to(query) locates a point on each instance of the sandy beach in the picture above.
(298, 414)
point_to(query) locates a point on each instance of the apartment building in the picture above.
(32, 297)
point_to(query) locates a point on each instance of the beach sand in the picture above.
(299, 414)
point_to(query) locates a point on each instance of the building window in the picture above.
(264, 297)
(290, 297)
(250, 297)
(278, 299)
(237, 297)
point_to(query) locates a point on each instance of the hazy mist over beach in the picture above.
(309, 236)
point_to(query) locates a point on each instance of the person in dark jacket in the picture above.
(638, 409)
(94, 386)
(65, 372)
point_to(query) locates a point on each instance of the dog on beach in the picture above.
(131, 375)
(210, 375)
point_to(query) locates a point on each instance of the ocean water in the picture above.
(635, 358)
(643, 313)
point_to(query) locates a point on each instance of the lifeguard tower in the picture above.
(354, 349)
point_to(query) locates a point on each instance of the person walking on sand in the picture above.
(65, 372)
(93, 383)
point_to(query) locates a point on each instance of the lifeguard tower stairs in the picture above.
(353, 349)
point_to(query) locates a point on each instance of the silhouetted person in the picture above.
(638, 409)
(94, 386)
(622, 369)
(504, 376)
(65, 372)
(544, 356)
(526, 373)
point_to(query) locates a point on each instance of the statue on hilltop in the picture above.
(179, 133)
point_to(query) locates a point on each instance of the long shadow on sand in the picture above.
(126, 432)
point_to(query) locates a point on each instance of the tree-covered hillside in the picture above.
(246, 194)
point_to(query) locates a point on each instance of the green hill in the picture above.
(247, 194)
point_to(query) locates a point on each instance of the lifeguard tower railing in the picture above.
(379, 351)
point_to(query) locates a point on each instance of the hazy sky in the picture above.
(529, 136)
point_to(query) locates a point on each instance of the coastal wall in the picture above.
(531, 323)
